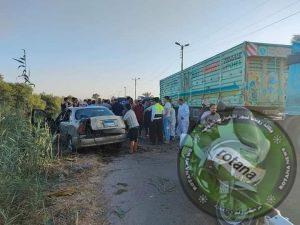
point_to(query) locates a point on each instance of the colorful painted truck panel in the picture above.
(251, 74)
(293, 89)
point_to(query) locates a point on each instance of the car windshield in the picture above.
(92, 112)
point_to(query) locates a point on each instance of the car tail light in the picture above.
(81, 128)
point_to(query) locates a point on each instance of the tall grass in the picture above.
(24, 151)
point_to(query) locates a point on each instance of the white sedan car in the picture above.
(86, 126)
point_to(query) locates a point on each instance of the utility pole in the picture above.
(135, 79)
(124, 91)
(181, 49)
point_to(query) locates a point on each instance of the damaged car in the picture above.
(80, 127)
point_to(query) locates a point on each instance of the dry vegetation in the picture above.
(75, 194)
(37, 188)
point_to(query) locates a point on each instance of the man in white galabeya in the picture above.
(167, 119)
(182, 117)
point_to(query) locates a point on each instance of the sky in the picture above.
(81, 47)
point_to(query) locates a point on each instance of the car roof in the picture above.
(88, 107)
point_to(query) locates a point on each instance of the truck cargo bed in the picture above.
(249, 74)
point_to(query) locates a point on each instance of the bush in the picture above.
(52, 103)
(24, 152)
(21, 96)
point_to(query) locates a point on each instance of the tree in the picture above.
(296, 38)
(95, 96)
(147, 94)
(36, 102)
(6, 93)
(21, 94)
(52, 103)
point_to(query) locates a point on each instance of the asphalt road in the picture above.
(143, 189)
(291, 205)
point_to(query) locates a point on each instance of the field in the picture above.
(25, 153)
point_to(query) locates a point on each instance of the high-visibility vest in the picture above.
(158, 110)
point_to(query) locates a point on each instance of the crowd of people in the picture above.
(153, 119)
(160, 121)
(74, 102)
(150, 118)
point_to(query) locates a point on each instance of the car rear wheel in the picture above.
(70, 145)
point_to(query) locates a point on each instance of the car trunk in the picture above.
(101, 126)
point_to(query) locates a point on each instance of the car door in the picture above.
(41, 118)
(65, 123)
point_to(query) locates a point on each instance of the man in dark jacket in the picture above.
(117, 108)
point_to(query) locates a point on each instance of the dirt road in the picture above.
(144, 190)
(114, 187)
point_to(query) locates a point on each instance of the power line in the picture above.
(271, 24)
(272, 14)
(255, 31)
(157, 75)
(233, 21)
(217, 31)
(254, 23)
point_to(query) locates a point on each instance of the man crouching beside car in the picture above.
(133, 125)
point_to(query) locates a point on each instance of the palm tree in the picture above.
(25, 75)
(147, 94)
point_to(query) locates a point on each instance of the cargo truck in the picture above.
(291, 120)
(263, 77)
(249, 74)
